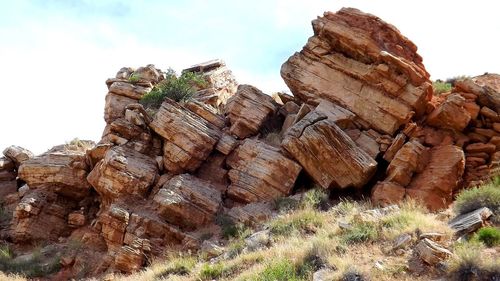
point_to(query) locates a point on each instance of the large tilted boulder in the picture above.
(62, 170)
(188, 201)
(247, 111)
(328, 154)
(365, 65)
(123, 172)
(260, 172)
(188, 138)
(17, 154)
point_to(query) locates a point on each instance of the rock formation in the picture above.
(362, 117)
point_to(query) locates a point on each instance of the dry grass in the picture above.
(11, 277)
(79, 145)
(307, 238)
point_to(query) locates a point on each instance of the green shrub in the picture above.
(454, 79)
(300, 221)
(471, 199)
(230, 229)
(33, 267)
(467, 263)
(441, 87)
(134, 78)
(177, 88)
(211, 271)
(360, 232)
(490, 236)
(285, 204)
(181, 265)
(316, 198)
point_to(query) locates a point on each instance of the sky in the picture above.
(55, 55)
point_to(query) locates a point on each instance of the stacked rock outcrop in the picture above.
(362, 116)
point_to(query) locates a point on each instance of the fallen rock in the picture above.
(431, 252)
(210, 249)
(451, 114)
(442, 175)
(260, 172)
(17, 154)
(128, 259)
(247, 111)
(258, 240)
(316, 140)
(387, 193)
(115, 106)
(471, 221)
(189, 139)
(188, 201)
(129, 90)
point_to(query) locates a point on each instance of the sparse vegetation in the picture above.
(134, 78)
(278, 270)
(178, 265)
(360, 232)
(302, 221)
(32, 266)
(178, 88)
(285, 204)
(489, 236)
(211, 271)
(77, 144)
(441, 87)
(471, 199)
(230, 229)
(468, 263)
(316, 198)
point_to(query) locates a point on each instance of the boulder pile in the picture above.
(362, 116)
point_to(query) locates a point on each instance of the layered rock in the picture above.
(328, 154)
(363, 64)
(247, 111)
(189, 138)
(260, 172)
(61, 170)
(123, 172)
(188, 201)
(220, 82)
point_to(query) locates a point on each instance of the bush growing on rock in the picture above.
(441, 87)
(487, 195)
(177, 88)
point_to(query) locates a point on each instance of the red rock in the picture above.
(327, 154)
(489, 133)
(396, 145)
(189, 139)
(451, 114)
(260, 172)
(442, 175)
(60, 170)
(472, 108)
(346, 62)
(475, 137)
(387, 193)
(410, 159)
(490, 113)
(123, 172)
(481, 147)
(188, 201)
(247, 111)
(496, 127)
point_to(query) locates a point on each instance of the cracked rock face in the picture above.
(260, 172)
(363, 64)
(328, 154)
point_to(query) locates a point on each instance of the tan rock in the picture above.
(76, 219)
(123, 172)
(188, 201)
(206, 112)
(247, 110)
(6, 164)
(337, 64)
(451, 114)
(490, 113)
(148, 74)
(260, 172)
(214, 170)
(128, 90)
(220, 82)
(115, 105)
(434, 187)
(251, 214)
(60, 170)
(327, 154)
(189, 139)
(17, 154)
(431, 252)
(488, 133)
(226, 144)
(129, 259)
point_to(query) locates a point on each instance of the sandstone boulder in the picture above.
(115, 105)
(60, 170)
(128, 90)
(328, 154)
(17, 154)
(189, 139)
(363, 64)
(247, 110)
(451, 114)
(260, 172)
(123, 172)
(442, 175)
(188, 201)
